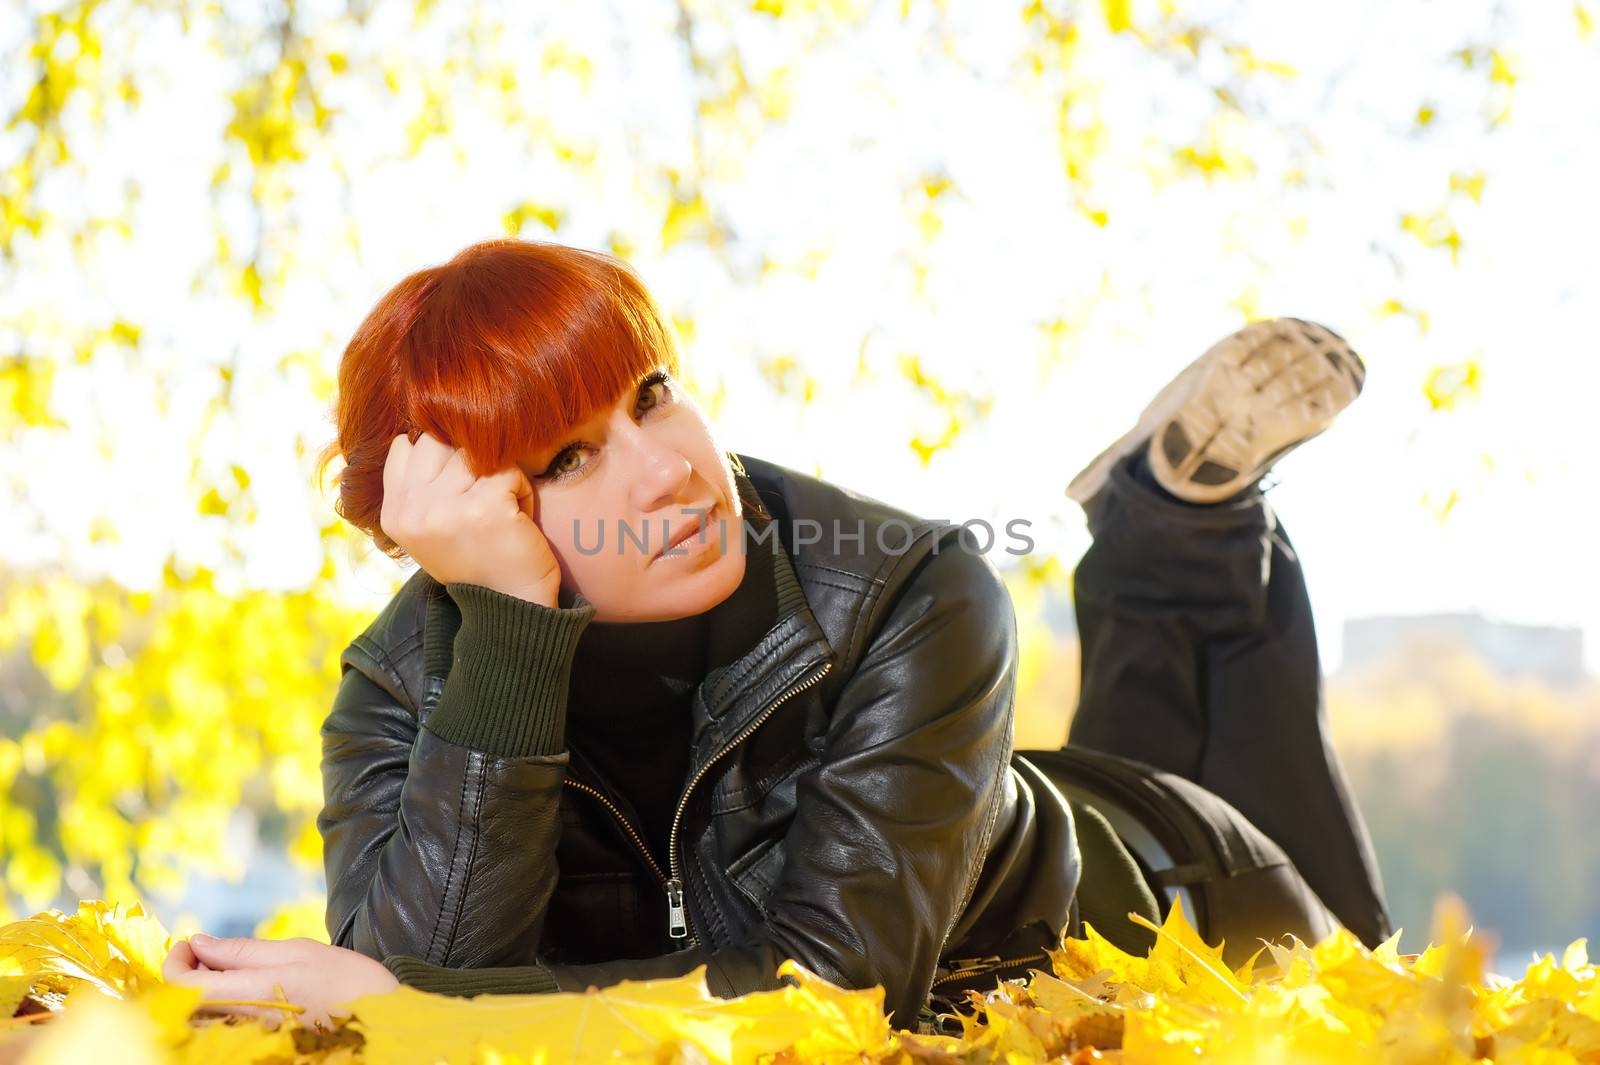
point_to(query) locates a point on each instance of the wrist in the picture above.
(511, 662)
(543, 593)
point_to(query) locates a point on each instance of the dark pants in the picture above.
(1199, 658)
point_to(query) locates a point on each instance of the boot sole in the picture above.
(1259, 394)
(1250, 399)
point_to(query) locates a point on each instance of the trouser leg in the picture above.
(1199, 658)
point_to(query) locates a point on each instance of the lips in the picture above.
(686, 531)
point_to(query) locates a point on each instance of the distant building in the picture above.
(1553, 654)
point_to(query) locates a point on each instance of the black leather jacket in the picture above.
(853, 799)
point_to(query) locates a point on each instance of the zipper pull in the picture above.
(677, 918)
(961, 966)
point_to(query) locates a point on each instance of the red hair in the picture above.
(498, 352)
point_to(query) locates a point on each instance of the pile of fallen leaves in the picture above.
(86, 988)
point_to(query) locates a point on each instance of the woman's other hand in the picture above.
(465, 529)
(314, 975)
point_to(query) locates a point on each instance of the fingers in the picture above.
(236, 985)
(239, 992)
(454, 472)
(510, 481)
(429, 455)
(528, 500)
(243, 952)
(420, 462)
(394, 465)
(227, 993)
(180, 959)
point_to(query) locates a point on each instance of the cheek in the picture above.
(573, 539)
(557, 526)
(700, 447)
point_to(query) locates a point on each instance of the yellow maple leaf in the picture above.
(215, 1043)
(1181, 958)
(633, 1021)
(118, 949)
(1093, 957)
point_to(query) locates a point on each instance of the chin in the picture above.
(693, 594)
(705, 589)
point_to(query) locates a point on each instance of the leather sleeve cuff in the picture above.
(464, 983)
(506, 693)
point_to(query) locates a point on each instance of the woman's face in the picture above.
(616, 490)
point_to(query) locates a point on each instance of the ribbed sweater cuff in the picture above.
(464, 983)
(507, 688)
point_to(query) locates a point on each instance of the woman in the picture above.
(650, 705)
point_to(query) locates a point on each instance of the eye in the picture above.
(655, 391)
(562, 465)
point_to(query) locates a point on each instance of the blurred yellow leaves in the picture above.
(265, 117)
(519, 216)
(1501, 68)
(68, 53)
(176, 709)
(788, 377)
(838, 10)
(1118, 14)
(1246, 62)
(1469, 184)
(687, 215)
(25, 386)
(1448, 387)
(1503, 73)
(1223, 151)
(1391, 307)
(1060, 38)
(959, 408)
(1434, 230)
(1437, 229)
(775, 94)
(303, 917)
(925, 198)
(53, 613)
(558, 55)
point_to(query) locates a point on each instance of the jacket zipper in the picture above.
(677, 911)
(967, 968)
(633, 834)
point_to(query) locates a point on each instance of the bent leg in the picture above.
(1200, 658)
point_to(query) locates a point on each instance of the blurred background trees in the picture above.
(936, 251)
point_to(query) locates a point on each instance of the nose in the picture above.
(662, 473)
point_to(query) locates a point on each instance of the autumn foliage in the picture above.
(85, 987)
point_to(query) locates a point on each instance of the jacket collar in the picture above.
(793, 648)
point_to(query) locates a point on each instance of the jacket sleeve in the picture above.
(439, 841)
(891, 831)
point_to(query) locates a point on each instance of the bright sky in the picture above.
(1154, 287)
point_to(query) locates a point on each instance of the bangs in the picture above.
(518, 341)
